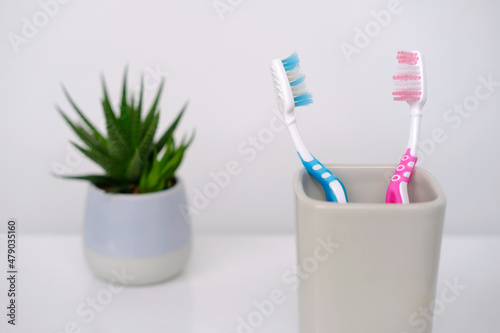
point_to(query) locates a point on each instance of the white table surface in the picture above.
(225, 276)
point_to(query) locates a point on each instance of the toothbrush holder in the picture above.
(367, 266)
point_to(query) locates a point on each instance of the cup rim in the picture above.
(440, 199)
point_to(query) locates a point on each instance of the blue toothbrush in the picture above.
(291, 91)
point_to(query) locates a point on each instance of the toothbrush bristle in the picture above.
(408, 78)
(409, 58)
(297, 80)
(291, 62)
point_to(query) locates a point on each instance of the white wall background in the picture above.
(222, 66)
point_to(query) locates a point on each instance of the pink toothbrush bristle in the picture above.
(407, 95)
(407, 77)
(409, 58)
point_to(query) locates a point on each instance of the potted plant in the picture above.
(133, 222)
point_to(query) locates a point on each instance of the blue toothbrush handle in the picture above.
(333, 187)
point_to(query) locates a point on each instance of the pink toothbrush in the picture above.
(410, 87)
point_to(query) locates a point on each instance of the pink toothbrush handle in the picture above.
(397, 191)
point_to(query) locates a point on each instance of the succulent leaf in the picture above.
(132, 161)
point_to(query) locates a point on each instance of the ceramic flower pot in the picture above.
(144, 235)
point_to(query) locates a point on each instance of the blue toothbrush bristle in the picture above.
(297, 80)
(303, 97)
(303, 103)
(291, 62)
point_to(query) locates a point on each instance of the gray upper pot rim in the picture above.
(179, 185)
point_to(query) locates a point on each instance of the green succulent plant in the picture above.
(132, 160)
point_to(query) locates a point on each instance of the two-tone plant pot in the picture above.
(145, 236)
